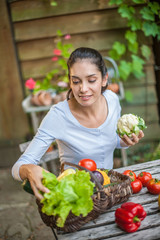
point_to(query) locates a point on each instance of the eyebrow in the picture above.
(91, 75)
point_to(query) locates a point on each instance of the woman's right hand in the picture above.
(34, 174)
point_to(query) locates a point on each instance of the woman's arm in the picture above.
(34, 174)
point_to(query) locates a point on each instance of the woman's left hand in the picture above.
(127, 141)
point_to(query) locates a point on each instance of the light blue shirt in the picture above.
(75, 141)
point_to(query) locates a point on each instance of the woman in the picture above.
(84, 125)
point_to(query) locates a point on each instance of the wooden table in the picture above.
(104, 227)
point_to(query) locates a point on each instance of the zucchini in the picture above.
(27, 187)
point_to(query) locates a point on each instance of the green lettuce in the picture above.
(72, 193)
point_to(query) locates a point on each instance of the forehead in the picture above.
(84, 66)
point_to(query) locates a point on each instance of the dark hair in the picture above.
(87, 53)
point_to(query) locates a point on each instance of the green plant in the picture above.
(53, 3)
(144, 153)
(141, 15)
(56, 79)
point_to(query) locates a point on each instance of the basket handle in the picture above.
(98, 185)
(114, 64)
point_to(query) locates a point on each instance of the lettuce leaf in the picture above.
(72, 193)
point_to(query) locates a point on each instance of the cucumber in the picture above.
(27, 187)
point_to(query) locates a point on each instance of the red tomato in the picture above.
(136, 186)
(88, 163)
(131, 174)
(153, 186)
(144, 177)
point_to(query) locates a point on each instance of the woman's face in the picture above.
(86, 82)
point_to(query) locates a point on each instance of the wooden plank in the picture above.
(38, 68)
(109, 230)
(12, 125)
(143, 111)
(152, 132)
(148, 78)
(146, 234)
(146, 165)
(47, 27)
(26, 10)
(100, 40)
(32, 49)
(142, 95)
(108, 218)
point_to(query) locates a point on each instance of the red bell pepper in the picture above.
(129, 216)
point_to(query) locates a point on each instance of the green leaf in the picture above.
(59, 33)
(53, 3)
(139, 1)
(150, 28)
(133, 47)
(126, 12)
(155, 7)
(131, 36)
(145, 50)
(125, 69)
(147, 14)
(54, 71)
(113, 54)
(128, 96)
(72, 193)
(120, 48)
(137, 66)
(63, 63)
(141, 123)
(135, 24)
(59, 45)
(117, 2)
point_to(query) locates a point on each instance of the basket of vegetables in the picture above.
(79, 196)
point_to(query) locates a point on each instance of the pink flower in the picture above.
(68, 36)
(57, 52)
(30, 84)
(54, 58)
(62, 84)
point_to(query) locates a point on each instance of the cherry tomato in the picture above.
(153, 186)
(88, 163)
(131, 174)
(144, 177)
(136, 186)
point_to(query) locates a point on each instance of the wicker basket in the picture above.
(104, 198)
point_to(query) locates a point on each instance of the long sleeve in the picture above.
(36, 149)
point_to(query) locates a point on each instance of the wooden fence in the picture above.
(91, 23)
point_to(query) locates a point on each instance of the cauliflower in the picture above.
(128, 124)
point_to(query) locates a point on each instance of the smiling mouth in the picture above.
(85, 98)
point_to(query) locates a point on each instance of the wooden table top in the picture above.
(104, 227)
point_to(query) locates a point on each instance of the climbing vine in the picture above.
(141, 15)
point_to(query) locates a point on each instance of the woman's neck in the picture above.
(90, 116)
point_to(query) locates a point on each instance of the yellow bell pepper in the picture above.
(65, 173)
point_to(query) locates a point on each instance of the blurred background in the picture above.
(36, 39)
(31, 31)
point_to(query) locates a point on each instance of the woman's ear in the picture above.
(105, 80)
